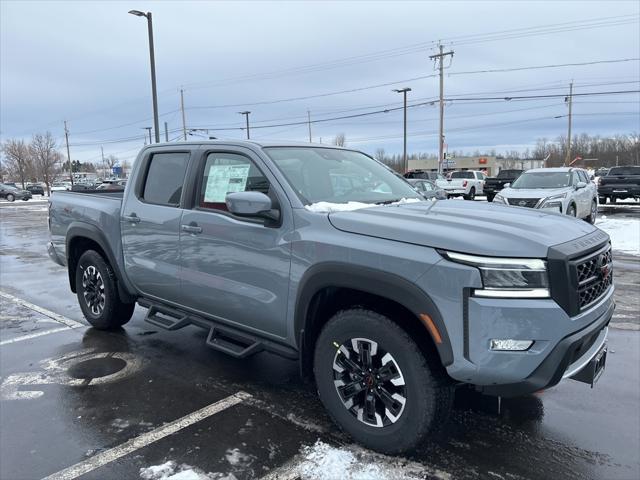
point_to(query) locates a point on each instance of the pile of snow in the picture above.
(624, 233)
(328, 207)
(172, 471)
(322, 461)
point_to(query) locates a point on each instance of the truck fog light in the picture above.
(510, 344)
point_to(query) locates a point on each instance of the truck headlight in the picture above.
(507, 277)
(499, 199)
(554, 201)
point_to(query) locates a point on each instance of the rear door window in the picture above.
(165, 178)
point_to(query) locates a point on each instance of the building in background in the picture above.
(488, 164)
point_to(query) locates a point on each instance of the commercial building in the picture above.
(490, 165)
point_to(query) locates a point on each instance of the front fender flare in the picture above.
(372, 281)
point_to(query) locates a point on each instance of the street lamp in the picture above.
(246, 114)
(154, 92)
(405, 164)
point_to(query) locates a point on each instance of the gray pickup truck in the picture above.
(389, 302)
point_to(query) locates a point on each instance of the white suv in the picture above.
(562, 190)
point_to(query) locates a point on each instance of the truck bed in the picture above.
(97, 208)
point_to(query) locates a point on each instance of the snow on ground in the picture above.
(322, 461)
(624, 233)
(172, 471)
(328, 207)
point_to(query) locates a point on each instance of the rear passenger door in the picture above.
(236, 269)
(150, 224)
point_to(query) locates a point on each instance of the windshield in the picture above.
(624, 171)
(508, 173)
(338, 176)
(542, 180)
(462, 175)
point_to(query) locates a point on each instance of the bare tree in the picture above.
(380, 155)
(45, 156)
(340, 140)
(18, 159)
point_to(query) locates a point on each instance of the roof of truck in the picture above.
(555, 169)
(243, 143)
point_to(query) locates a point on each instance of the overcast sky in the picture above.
(88, 62)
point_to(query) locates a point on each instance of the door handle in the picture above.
(133, 218)
(191, 228)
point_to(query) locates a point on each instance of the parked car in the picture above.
(428, 189)
(561, 190)
(619, 183)
(11, 193)
(60, 186)
(466, 184)
(35, 189)
(493, 185)
(435, 177)
(386, 300)
(112, 185)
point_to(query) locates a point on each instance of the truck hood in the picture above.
(534, 192)
(469, 227)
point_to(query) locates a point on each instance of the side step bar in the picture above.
(224, 338)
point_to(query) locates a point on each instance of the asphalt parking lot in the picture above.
(76, 402)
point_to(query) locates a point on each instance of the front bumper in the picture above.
(562, 344)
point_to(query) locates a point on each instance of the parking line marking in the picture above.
(145, 439)
(34, 335)
(48, 313)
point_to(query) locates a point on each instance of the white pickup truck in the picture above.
(467, 184)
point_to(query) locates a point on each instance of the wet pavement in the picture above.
(74, 396)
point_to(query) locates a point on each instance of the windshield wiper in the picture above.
(387, 202)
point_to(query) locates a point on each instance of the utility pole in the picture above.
(405, 162)
(66, 137)
(309, 122)
(149, 130)
(184, 123)
(569, 99)
(104, 167)
(246, 115)
(440, 58)
(166, 132)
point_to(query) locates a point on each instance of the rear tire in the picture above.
(472, 194)
(594, 212)
(398, 401)
(490, 197)
(97, 291)
(10, 198)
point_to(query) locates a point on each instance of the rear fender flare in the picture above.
(93, 233)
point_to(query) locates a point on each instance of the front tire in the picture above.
(377, 384)
(97, 293)
(571, 210)
(490, 197)
(472, 194)
(10, 198)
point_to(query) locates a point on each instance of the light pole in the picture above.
(152, 58)
(246, 114)
(405, 164)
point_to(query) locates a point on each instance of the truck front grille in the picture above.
(594, 275)
(523, 202)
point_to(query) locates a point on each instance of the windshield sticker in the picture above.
(223, 179)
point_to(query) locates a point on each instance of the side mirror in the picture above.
(580, 185)
(592, 177)
(251, 204)
(506, 185)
